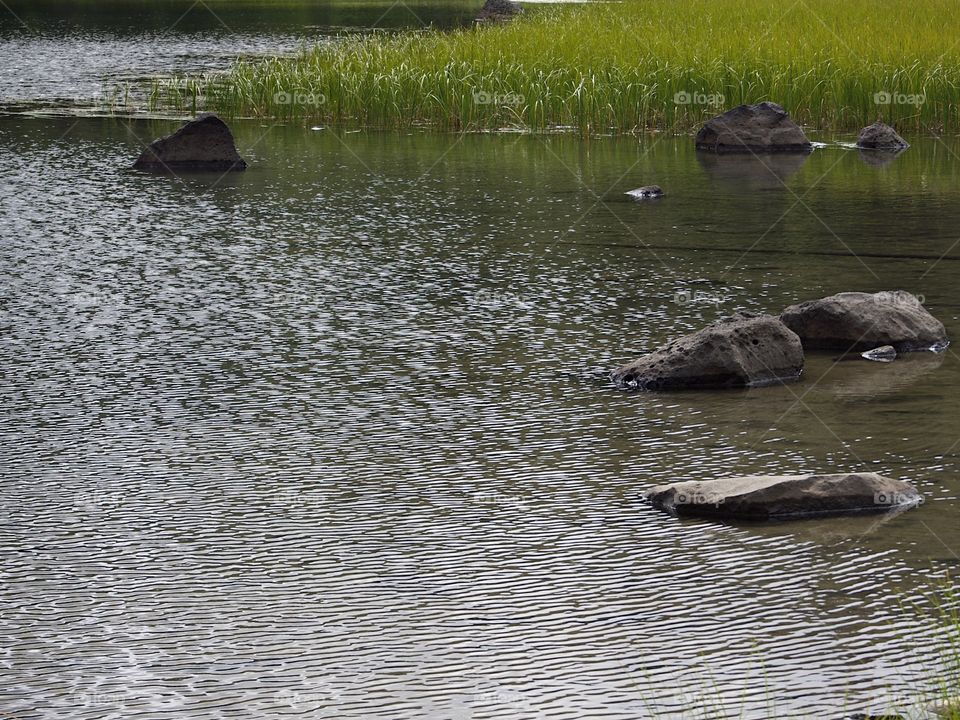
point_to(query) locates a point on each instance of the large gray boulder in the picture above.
(740, 351)
(761, 497)
(498, 10)
(856, 321)
(881, 136)
(764, 127)
(204, 144)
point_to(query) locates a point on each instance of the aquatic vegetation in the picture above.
(621, 67)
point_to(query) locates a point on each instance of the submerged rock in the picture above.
(856, 322)
(764, 127)
(881, 136)
(204, 144)
(498, 10)
(884, 353)
(647, 191)
(762, 497)
(740, 351)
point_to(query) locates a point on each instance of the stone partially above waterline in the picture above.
(858, 321)
(881, 136)
(765, 497)
(202, 145)
(646, 192)
(764, 127)
(739, 351)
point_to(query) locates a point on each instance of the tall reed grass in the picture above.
(621, 67)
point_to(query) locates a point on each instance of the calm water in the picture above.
(333, 438)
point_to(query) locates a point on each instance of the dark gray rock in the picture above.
(762, 497)
(764, 127)
(498, 10)
(856, 322)
(741, 351)
(881, 136)
(202, 145)
(647, 191)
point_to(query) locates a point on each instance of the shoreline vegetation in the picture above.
(626, 67)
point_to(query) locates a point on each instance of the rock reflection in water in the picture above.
(752, 172)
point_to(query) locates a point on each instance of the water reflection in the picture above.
(879, 158)
(749, 171)
(332, 432)
(857, 380)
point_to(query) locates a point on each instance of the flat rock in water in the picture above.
(202, 145)
(857, 322)
(762, 497)
(740, 351)
(881, 136)
(764, 127)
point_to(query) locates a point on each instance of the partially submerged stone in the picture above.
(740, 351)
(881, 136)
(202, 145)
(647, 191)
(884, 353)
(763, 497)
(498, 10)
(764, 127)
(857, 321)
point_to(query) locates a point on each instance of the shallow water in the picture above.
(333, 437)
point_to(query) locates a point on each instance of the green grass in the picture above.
(617, 67)
(949, 606)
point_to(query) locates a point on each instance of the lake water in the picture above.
(333, 438)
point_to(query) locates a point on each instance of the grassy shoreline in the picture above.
(624, 67)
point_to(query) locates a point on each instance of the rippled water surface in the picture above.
(333, 438)
(84, 55)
